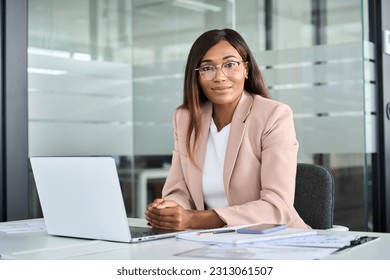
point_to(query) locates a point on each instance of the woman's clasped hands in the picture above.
(167, 214)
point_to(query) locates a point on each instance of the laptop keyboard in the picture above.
(141, 232)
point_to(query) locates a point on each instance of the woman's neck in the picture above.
(222, 116)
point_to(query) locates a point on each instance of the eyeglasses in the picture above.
(208, 71)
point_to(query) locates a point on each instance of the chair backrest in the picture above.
(314, 195)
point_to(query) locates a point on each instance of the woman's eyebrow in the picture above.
(229, 56)
(225, 57)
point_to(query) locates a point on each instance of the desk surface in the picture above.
(41, 246)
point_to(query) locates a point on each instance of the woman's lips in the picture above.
(221, 88)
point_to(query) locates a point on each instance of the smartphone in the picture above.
(262, 228)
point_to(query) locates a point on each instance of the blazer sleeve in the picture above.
(274, 182)
(175, 187)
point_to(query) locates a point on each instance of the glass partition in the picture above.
(106, 76)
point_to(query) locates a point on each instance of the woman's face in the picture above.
(225, 88)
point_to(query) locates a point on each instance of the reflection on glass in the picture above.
(106, 76)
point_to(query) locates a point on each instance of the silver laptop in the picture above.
(81, 197)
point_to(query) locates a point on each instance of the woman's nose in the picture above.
(219, 74)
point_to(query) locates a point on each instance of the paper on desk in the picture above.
(22, 227)
(259, 252)
(321, 241)
(239, 239)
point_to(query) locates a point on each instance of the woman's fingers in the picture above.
(169, 217)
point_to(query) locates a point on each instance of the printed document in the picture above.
(235, 238)
(22, 227)
(261, 251)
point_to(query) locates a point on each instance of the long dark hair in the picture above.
(194, 96)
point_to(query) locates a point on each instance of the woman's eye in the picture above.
(229, 65)
(207, 68)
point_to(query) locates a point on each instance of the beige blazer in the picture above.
(260, 164)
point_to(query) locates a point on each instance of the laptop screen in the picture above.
(81, 197)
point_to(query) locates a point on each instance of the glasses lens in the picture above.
(229, 68)
(207, 72)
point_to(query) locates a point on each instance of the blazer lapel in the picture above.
(237, 130)
(194, 172)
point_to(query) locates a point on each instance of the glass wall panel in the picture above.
(80, 81)
(162, 36)
(106, 76)
(322, 68)
(291, 24)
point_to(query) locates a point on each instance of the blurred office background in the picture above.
(105, 76)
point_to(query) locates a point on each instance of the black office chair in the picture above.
(314, 195)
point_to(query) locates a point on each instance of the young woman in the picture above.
(235, 150)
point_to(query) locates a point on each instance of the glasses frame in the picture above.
(215, 70)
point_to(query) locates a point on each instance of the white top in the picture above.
(212, 179)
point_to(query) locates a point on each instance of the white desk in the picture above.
(41, 246)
